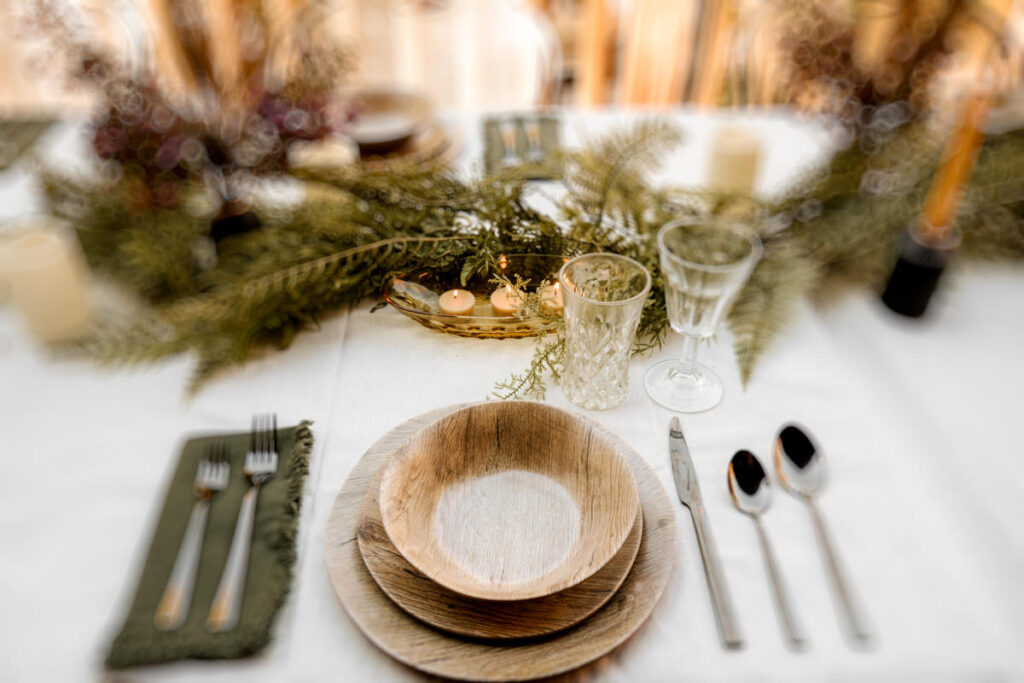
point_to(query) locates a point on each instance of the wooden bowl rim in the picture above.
(552, 582)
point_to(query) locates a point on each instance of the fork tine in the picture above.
(263, 433)
(273, 447)
(258, 433)
(253, 432)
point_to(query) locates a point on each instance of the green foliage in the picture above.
(547, 360)
(356, 228)
(781, 279)
(607, 180)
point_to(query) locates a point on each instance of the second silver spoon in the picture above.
(748, 486)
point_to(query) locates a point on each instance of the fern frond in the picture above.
(614, 165)
(764, 307)
(547, 360)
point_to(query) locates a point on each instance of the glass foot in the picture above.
(691, 390)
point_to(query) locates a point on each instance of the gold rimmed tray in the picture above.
(410, 641)
(434, 604)
(415, 295)
(508, 500)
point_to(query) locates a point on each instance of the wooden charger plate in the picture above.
(433, 143)
(410, 641)
(508, 500)
(434, 604)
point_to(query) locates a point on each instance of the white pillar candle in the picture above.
(735, 154)
(457, 302)
(47, 277)
(551, 298)
(506, 300)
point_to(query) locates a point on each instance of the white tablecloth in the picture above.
(919, 422)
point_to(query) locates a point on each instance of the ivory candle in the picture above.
(48, 283)
(506, 300)
(735, 154)
(551, 298)
(457, 302)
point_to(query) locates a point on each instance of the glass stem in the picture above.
(688, 361)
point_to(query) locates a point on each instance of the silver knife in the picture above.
(689, 495)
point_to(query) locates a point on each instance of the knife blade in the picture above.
(688, 489)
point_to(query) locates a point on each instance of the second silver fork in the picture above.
(260, 467)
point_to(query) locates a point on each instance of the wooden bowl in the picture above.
(508, 500)
(387, 119)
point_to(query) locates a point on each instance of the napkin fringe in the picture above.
(285, 546)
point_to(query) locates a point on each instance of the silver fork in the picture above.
(212, 476)
(533, 140)
(507, 130)
(260, 467)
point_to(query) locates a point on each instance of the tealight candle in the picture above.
(457, 302)
(551, 298)
(734, 159)
(506, 301)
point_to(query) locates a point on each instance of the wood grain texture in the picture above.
(447, 610)
(508, 500)
(431, 651)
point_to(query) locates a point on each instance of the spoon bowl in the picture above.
(748, 484)
(799, 462)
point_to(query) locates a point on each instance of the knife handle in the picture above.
(725, 616)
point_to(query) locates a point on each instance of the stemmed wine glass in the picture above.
(704, 264)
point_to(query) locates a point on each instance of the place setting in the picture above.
(391, 126)
(500, 540)
(456, 543)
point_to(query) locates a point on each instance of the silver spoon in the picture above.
(748, 486)
(801, 470)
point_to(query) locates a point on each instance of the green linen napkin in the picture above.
(17, 136)
(548, 167)
(270, 562)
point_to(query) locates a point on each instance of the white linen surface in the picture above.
(918, 422)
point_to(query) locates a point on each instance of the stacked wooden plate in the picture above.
(392, 126)
(500, 541)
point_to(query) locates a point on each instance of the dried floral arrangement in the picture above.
(204, 115)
